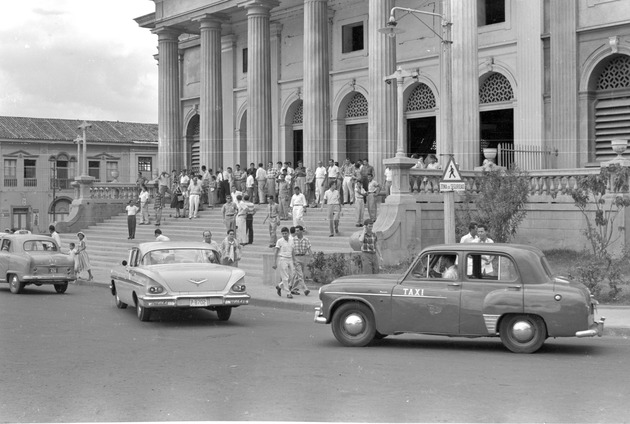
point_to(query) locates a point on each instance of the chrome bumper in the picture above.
(596, 330)
(319, 316)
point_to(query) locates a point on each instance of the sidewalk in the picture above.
(617, 317)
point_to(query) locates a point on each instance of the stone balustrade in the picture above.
(118, 191)
(545, 185)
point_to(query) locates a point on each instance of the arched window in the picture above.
(612, 106)
(357, 107)
(298, 115)
(495, 89)
(422, 98)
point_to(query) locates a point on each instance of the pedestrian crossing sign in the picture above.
(452, 179)
(451, 173)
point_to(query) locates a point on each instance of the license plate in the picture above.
(199, 302)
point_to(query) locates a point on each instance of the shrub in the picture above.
(591, 191)
(499, 204)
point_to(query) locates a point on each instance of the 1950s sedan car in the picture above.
(467, 290)
(162, 275)
(33, 259)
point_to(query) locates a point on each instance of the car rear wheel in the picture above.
(224, 313)
(523, 333)
(119, 303)
(353, 324)
(144, 314)
(61, 288)
(15, 285)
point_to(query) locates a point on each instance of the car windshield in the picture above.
(178, 256)
(40, 245)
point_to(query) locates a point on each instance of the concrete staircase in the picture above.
(107, 243)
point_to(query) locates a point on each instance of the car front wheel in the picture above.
(353, 324)
(523, 333)
(144, 314)
(61, 288)
(224, 313)
(15, 285)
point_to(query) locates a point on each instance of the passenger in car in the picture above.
(450, 272)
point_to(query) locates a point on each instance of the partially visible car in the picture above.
(173, 275)
(34, 259)
(467, 290)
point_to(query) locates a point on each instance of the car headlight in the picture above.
(239, 286)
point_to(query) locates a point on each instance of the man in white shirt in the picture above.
(471, 237)
(285, 258)
(144, 206)
(320, 177)
(55, 235)
(298, 203)
(159, 236)
(486, 260)
(261, 179)
(450, 272)
(332, 172)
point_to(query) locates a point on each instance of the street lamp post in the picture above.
(392, 30)
(78, 140)
(399, 76)
(84, 126)
(53, 168)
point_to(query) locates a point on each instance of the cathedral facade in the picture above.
(244, 81)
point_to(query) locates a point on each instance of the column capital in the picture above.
(167, 34)
(258, 6)
(210, 21)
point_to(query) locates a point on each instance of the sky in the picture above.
(78, 59)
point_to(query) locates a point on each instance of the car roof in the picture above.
(26, 237)
(509, 248)
(162, 245)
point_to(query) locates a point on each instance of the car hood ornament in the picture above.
(198, 282)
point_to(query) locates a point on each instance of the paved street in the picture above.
(75, 357)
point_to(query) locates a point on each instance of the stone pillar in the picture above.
(211, 102)
(465, 77)
(170, 143)
(564, 83)
(316, 82)
(528, 119)
(259, 79)
(382, 100)
(231, 125)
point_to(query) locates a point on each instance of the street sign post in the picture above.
(452, 179)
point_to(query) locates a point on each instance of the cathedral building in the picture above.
(241, 81)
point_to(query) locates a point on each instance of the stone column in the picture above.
(316, 83)
(259, 79)
(382, 100)
(170, 143)
(528, 118)
(564, 83)
(465, 77)
(211, 102)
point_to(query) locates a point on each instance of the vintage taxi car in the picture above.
(34, 259)
(467, 290)
(165, 275)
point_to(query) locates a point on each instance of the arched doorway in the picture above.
(59, 209)
(496, 117)
(192, 144)
(298, 133)
(356, 128)
(421, 121)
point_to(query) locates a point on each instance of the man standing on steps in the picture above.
(261, 182)
(320, 178)
(284, 258)
(303, 253)
(333, 202)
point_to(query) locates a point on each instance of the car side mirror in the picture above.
(124, 263)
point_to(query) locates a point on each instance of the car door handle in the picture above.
(454, 284)
(515, 288)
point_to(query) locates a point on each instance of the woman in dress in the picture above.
(230, 249)
(177, 200)
(83, 260)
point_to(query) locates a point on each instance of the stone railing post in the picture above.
(397, 224)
